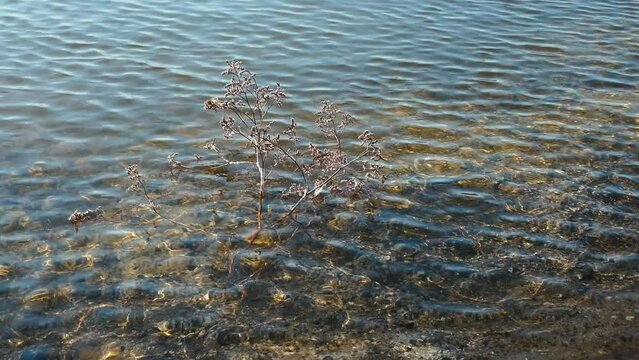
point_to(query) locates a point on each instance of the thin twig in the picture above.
(326, 181)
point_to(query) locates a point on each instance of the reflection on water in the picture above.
(509, 230)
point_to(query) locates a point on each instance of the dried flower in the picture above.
(295, 190)
(371, 144)
(278, 95)
(211, 145)
(228, 126)
(291, 132)
(326, 160)
(78, 217)
(354, 185)
(325, 118)
(174, 165)
(136, 178)
(347, 120)
(217, 104)
(234, 67)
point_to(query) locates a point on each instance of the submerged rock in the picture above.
(229, 336)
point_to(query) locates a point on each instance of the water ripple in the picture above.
(511, 128)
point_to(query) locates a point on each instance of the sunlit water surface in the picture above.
(509, 226)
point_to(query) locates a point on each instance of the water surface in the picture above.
(509, 229)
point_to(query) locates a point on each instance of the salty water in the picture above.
(509, 227)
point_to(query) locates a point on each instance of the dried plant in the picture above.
(78, 217)
(245, 110)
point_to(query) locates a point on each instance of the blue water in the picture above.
(511, 130)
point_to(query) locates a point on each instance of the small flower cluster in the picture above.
(326, 160)
(227, 123)
(137, 180)
(234, 68)
(242, 80)
(243, 95)
(327, 116)
(352, 186)
(291, 132)
(295, 189)
(175, 166)
(78, 217)
(372, 144)
(267, 95)
(211, 145)
(217, 104)
(139, 183)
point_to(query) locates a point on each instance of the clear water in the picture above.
(509, 229)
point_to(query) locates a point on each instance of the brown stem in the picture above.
(238, 112)
(294, 161)
(259, 162)
(339, 142)
(154, 207)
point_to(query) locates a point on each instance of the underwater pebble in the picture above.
(584, 272)
(229, 336)
(343, 220)
(256, 290)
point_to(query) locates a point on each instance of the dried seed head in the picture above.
(228, 126)
(219, 104)
(173, 163)
(78, 217)
(295, 190)
(278, 95)
(347, 120)
(211, 145)
(136, 178)
(233, 67)
(327, 116)
(326, 160)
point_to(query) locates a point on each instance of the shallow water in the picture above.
(509, 228)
